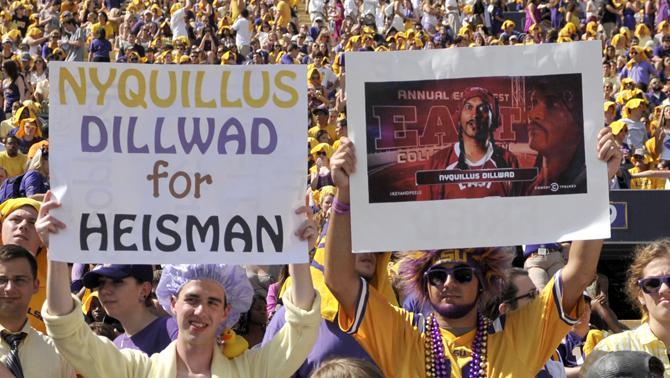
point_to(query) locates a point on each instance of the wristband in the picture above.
(340, 207)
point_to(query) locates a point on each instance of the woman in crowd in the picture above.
(252, 323)
(125, 293)
(15, 87)
(28, 133)
(648, 289)
(36, 179)
(38, 72)
(100, 47)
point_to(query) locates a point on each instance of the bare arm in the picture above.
(59, 300)
(580, 270)
(340, 273)
(652, 173)
(302, 289)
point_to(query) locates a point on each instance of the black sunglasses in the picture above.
(437, 276)
(530, 295)
(651, 285)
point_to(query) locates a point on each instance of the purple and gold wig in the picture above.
(492, 265)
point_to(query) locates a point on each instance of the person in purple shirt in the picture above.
(663, 50)
(638, 68)
(291, 54)
(332, 341)
(100, 47)
(125, 293)
(571, 349)
(36, 178)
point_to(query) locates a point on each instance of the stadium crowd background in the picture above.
(635, 37)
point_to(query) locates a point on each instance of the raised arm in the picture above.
(59, 300)
(580, 270)
(302, 289)
(340, 273)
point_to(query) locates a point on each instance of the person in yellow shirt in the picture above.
(456, 339)
(320, 115)
(103, 22)
(283, 16)
(18, 217)
(648, 286)
(643, 163)
(13, 161)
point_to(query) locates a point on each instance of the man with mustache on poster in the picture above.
(555, 131)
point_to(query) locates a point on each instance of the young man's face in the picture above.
(468, 118)
(12, 147)
(366, 265)
(657, 301)
(453, 298)
(19, 228)
(17, 286)
(200, 308)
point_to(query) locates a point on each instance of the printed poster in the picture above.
(456, 151)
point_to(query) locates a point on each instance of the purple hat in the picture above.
(143, 273)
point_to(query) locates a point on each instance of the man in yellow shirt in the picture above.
(13, 161)
(456, 339)
(321, 119)
(18, 217)
(283, 16)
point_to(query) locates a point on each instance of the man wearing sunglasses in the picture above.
(456, 339)
(648, 286)
(518, 292)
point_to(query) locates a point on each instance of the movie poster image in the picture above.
(475, 137)
(476, 147)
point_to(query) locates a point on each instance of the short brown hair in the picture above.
(347, 368)
(643, 255)
(13, 252)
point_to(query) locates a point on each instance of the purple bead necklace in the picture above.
(436, 362)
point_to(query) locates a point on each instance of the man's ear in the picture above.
(226, 311)
(502, 308)
(36, 285)
(173, 302)
(146, 289)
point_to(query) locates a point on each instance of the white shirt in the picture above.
(242, 27)
(316, 6)
(451, 3)
(178, 24)
(370, 7)
(350, 8)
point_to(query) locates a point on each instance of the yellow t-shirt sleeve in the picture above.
(383, 330)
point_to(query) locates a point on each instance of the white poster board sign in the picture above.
(179, 163)
(476, 147)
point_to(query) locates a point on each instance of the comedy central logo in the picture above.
(554, 187)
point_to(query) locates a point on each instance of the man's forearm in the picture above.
(303, 289)
(340, 273)
(580, 270)
(59, 300)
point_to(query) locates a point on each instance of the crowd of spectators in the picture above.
(121, 303)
